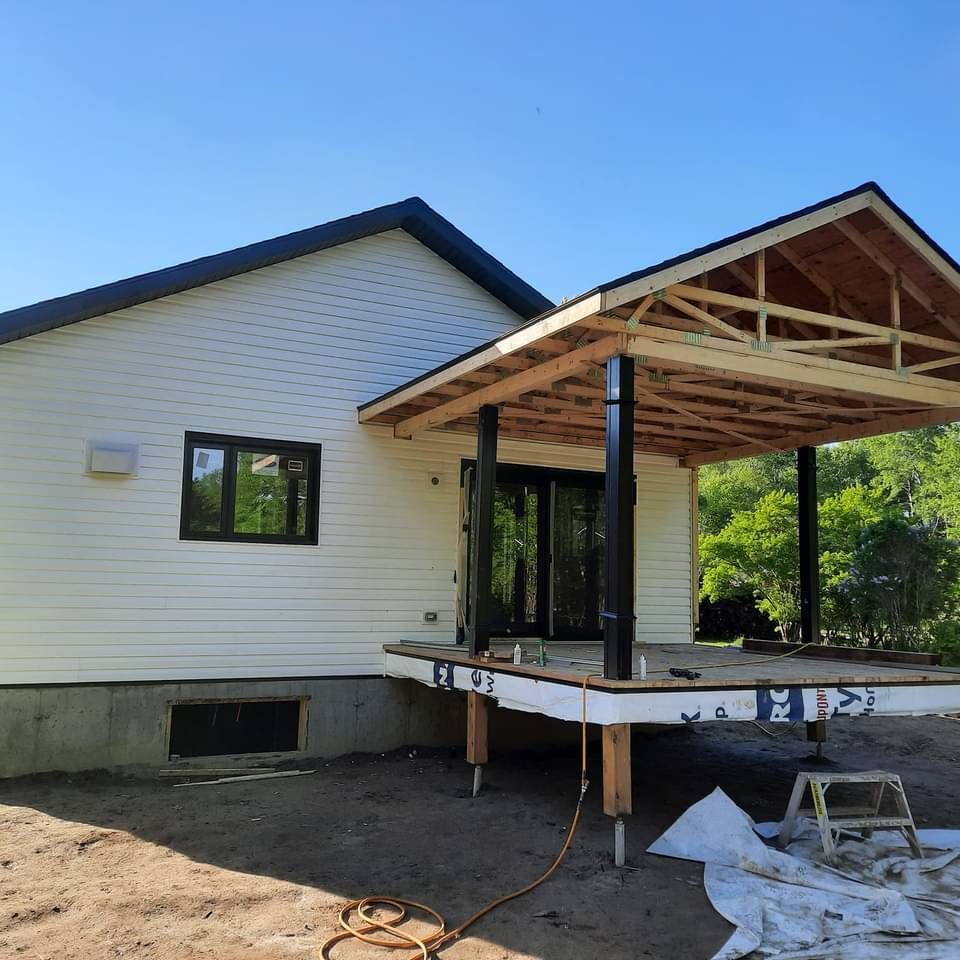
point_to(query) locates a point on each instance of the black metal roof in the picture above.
(412, 215)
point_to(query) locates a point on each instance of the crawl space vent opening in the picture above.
(235, 726)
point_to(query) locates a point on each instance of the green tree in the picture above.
(843, 518)
(756, 554)
(729, 488)
(900, 462)
(939, 496)
(902, 580)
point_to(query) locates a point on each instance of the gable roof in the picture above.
(412, 215)
(863, 190)
(855, 265)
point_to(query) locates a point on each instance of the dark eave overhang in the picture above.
(412, 215)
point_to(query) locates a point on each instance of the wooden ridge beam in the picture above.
(509, 387)
(812, 317)
(910, 421)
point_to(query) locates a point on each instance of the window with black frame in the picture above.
(252, 490)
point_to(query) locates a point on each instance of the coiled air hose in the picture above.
(400, 939)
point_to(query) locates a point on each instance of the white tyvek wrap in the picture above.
(877, 903)
(789, 704)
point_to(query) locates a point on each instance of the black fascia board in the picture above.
(412, 215)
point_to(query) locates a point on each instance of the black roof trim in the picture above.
(869, 187)
(412, 215)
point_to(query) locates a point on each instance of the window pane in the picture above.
(271, 497)
(206, 490)
(515, 554)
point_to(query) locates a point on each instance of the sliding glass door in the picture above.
(518, 516)
(579, 559)
(549, 552)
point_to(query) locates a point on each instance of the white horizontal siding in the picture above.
(95, 584)
(664, 610)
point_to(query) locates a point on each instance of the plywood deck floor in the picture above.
(727, 667)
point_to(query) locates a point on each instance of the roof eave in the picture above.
(412, 215)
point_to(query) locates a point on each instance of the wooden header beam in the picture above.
(854, 431)
(510, 387)
(794, 371)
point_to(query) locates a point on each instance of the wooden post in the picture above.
(618, 618)
(481, 531)
(809, 545)
(897, 360)
(761, 279)
(617, 783)
(817, 733)
(478, 714)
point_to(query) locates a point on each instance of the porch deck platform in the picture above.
(733, 684)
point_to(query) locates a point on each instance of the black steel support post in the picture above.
(481, 532)
(618, 618)
(809, 545)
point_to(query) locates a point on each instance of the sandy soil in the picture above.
(107, 867)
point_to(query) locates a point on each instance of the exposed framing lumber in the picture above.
(746, 246)
(760, 271)
(617, 777)
(527, 335)
(932, 364)
(897, 355)
(750, 304)
(874, 253)
(478, 709)
(834, 295)
(793, 371)
(707, 318)
(832, 343)
(909, 235)
(715, 427)
(509, 387)
(870, 428)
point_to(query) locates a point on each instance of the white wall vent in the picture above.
(117, 458)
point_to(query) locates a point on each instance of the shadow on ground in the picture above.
(107, 867)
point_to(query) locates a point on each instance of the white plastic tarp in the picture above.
(876, 902)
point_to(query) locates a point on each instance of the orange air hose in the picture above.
(440, 937)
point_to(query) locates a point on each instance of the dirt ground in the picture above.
(98, 867)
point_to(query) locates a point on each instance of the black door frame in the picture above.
(543, 478)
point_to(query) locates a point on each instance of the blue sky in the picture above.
(576, 142)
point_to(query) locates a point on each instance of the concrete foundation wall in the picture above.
(123, 727)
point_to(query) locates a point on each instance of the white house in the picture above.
(114, 610)
(246, 501)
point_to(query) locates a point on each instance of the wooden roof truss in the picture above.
(839, 324)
